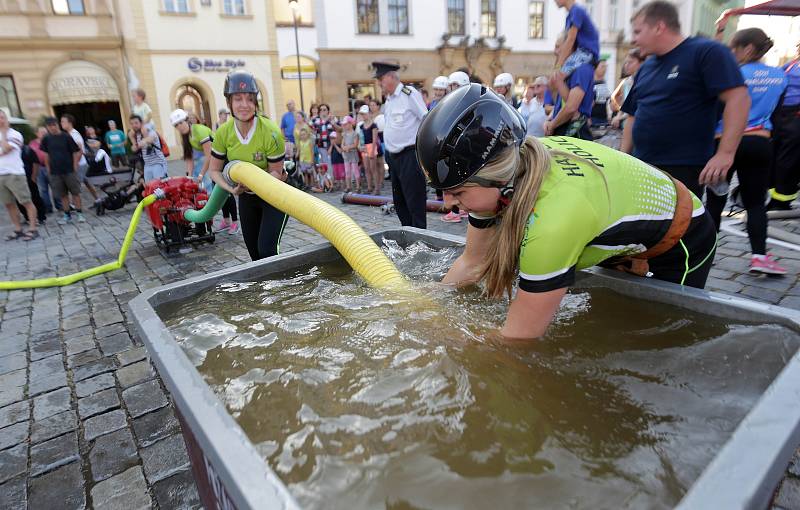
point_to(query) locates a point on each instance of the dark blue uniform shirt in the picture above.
(675, 101)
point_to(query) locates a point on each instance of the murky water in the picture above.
(359, 400)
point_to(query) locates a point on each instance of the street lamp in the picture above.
(294, 5)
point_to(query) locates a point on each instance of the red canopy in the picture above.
(770, 7)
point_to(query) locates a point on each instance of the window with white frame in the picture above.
(68, 7)
(368, 19)
(398, 16)
(233, 7)
(176, 5)
(536, 19)
(489, 18)
(456, 17)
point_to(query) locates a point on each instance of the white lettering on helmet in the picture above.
(494, 139)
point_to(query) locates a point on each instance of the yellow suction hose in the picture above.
(60, 281)
(345, 235)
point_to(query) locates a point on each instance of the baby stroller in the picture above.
(118, 195)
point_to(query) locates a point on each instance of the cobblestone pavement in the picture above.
(84, 419)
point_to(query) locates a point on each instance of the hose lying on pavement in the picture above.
(60, 281)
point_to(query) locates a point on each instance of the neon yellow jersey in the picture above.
(199, 135)
(264, 143)
(581, 219)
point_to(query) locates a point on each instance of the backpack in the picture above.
(164, 146)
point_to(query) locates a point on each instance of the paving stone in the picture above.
(788, 495)
(83, 358)
(762, 294)
(107, 316)
(79, 344)
(791, 302)
(794, 465)
(13, 494)
(62, 488)
(94, 384)
(15, 378)
(93, 368)
(46, 367)
(45, 349)
(54, 453)
(13, 362)
(12, 344)
(49, 383)
(77, 318)
(165, 458)
(131, 356)
(53, 426)
(98, 403)
(778, 283)
(15, 413)
(51, 403)
(13, 435)
(115, 343)
(155, 426)
(126, 491)
(104, 423)
(110, 329)
(177, 491)
(13, 462)
(144, 398)
(11, 394)
(112, 454)
(134, 374)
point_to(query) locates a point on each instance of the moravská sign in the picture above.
(197, 65)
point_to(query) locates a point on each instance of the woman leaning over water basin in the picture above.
(548, 207)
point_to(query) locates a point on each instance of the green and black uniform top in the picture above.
(199, 135)
(263, 144)
(584, 215)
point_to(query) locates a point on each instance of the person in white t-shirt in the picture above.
(13, 182)
(532, 108)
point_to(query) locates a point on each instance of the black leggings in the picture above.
(752, 164)
(229, 209)
(786, 172)
(689, 262)
(262, 226)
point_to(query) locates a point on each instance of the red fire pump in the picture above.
(170, 228)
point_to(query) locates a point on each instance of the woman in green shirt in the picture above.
(197, 140)
(541, 209)
(255, 139)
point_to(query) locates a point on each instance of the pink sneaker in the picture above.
(452, 217)
(234, 228)
(223, 224)
(767, 265)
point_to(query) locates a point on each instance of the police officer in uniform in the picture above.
(403, 111)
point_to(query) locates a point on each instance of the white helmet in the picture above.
(459, 78)
(178, 116)
(503, 80)
(440, 82)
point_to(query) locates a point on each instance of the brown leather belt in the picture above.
(637, 264)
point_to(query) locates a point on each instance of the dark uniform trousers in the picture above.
(408, 187)
(786, 136)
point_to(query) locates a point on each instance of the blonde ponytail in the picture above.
(532, 163)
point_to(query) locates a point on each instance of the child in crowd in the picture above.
(305, 154)
(582, 42)
(322, 182)
(350, 148)
(337, 160)
(142, 109)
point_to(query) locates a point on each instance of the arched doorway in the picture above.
(87, 91)
(192, 100)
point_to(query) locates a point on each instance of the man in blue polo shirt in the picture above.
(673, 105)
(573, 104)
(786, 137)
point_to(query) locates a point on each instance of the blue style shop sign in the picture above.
(197, 65)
